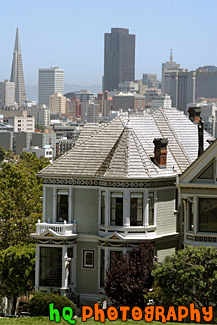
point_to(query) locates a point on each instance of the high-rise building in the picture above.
(57, 104)
(7, 93)
(119, 58)
(17, 75)
(169, 65)
(50, 81)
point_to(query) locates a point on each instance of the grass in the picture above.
(45, 321)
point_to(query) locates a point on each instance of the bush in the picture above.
(39, 304)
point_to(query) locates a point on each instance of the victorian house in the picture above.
(198, 196)
(115, 188)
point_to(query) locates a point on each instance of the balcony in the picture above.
(62, 229)
(137, 231)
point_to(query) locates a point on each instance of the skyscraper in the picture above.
(168, 66)
(119, 58)
(17, 72)
(50, 81)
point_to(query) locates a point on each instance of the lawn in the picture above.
(45, 321)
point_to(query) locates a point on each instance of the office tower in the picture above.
(169, 65)
(7, 93)
(150, 80)
(50, 81)
(57, 104)
(17, 75)
(119, 58)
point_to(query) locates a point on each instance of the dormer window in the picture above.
(62, 205)
(116, 213)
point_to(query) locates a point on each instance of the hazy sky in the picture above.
(70, 34)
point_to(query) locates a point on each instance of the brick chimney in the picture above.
(160, 152)
(194, 114)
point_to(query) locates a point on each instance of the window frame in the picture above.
(198, 214)
(154, 208)
(143, 206)
(110, 209)
(68, 213)
(84, 264)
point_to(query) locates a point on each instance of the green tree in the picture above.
(17, 269)
(188, 276)
(2, 154)
(129, 278)
(9, 154)
(21, 200)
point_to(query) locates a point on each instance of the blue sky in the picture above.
(70, 34)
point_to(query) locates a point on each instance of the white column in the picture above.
(54, 204)
(37, 267)
(145, 210)
(70, 206)
(74, 268)
(126, 208)
(44, 203)
(107, 207)
(64, 270)
(106, 260)
(195, 215)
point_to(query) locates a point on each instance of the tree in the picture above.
(129, 278)
(188, 276)
(2, 154)
(21, 200)
(17, 269)
(9, 154)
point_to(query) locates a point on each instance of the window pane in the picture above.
(62, 205)
(136, 209)
(116, 213)
(208, 215)
(151, 208)
(50, 267)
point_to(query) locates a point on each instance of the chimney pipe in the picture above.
(160, 152)
(194, 114)
(200, 137)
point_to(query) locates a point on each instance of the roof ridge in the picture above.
(174, 136)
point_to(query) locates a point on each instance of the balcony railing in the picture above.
(104, 230)
(61, 229)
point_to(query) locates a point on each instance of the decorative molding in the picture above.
(130, 184)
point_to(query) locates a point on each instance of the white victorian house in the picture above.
(115, 188)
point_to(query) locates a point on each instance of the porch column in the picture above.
(64, 267)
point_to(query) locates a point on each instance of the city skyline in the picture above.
(79, 50)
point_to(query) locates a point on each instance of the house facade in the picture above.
(198, 196)
(114, 189)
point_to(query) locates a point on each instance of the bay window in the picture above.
(136, 209)
(207, 215)
(151, 208)
(116, 211)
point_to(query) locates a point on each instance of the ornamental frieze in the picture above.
(130, 184)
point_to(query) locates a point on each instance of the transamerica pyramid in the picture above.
(17, 72)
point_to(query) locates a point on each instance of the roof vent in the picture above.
(160, 152)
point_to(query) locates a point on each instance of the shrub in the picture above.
(39, 304)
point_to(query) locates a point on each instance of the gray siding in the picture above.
(87, 279)
(85, 210)
(49, 204)
(166, 219)
(161, 254)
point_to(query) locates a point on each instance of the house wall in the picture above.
(86, 278)
(166, 218)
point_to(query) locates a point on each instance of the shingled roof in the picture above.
(123, 148)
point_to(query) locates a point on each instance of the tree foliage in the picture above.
(129, 278)
(188, 276)
(2, 154)
(17, 269)
(21, 200)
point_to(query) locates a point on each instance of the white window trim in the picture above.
(88, 266)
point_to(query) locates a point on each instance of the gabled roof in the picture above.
(199, 164)
(123, 148)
